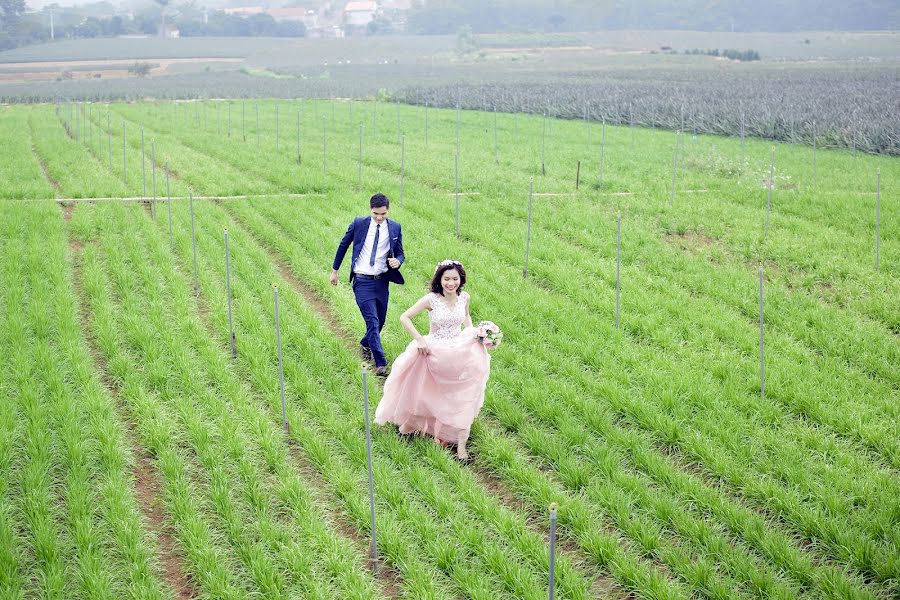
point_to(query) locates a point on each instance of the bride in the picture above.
(436, 386)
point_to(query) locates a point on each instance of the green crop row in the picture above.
(67, 483)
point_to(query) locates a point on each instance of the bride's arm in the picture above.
(468, 321)
(424, 303)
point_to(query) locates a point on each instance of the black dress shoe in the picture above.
(365, 353)
(381, 371)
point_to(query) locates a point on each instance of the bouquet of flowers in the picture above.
(488, 334)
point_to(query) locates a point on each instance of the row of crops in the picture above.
(851, 107)
(674, 477)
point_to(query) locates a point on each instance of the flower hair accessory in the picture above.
(446, 263)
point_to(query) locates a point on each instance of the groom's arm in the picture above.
(341, 252)
(398, 251)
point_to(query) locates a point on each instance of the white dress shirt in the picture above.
(381, 253)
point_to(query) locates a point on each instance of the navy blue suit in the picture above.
(371, 294)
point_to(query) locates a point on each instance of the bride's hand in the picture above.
(422, 346)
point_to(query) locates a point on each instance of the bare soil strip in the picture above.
(146, 476)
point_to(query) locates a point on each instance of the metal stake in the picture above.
(551, 593)
(618, 263)
(496, 151)
(543, 135)
(456, 171)
(743, 144)
(228, 286)
(602, 146)
(284, 422)
(762, 362)
(769, 198)
(815, 174)
(169, 202)
(143, 164)
(877, 215)
(124, 166)
(528, 233)
(402, 164)
(373, 547)
(153, 175)
(194, 243)
(674, 169)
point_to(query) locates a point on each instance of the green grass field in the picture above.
(139, 460)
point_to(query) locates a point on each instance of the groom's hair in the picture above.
(379, 200)
(435, 284)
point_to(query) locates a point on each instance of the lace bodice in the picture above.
(445, 321)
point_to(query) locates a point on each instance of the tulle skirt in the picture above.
(438, 394)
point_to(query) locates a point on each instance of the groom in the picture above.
(377, 256)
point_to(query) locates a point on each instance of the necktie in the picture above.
(374, 246)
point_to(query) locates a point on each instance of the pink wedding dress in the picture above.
(441, 393)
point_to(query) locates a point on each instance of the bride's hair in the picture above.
(442, 267)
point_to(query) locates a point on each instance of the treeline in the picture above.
(487, 16)
(18, 28)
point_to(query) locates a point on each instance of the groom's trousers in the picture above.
(372, 300)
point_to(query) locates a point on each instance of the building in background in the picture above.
(357, 16)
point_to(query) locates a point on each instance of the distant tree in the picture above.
(465, 40)
(163, 4)
(89, 28)
(141, 69)
(12, 11)
(556, 20)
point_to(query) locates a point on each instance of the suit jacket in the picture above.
(356, 235)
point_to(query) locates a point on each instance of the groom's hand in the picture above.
(334, 277)
(394, 263)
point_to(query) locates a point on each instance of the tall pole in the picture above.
(762, 362)
(402, 165)
(528, 231)
(124, 167)
(359, 160)
(284, 421)
(551, 591)
(769, 195)
(543, 136)
(674, 169)
(143, 164)
(169, 202)
(877, 215)
(373, 547)
(602, 148)
(228, 287)
(194, 244)
(496, 151)
(456, 171)
(618, 263)
(153, 175)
